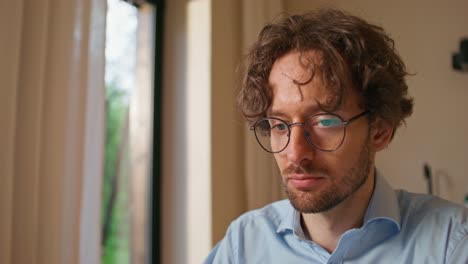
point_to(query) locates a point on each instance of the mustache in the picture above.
(303, 169)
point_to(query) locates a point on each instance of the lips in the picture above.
(304, 182)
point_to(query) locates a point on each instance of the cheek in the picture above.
(331, 162)
(349, 154)
(281, 161)
(337, 164)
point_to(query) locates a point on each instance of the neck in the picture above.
(347, 215)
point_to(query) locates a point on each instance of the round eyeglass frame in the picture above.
(344, 123)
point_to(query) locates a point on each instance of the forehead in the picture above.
(294, 78)
(299, 65)
(297, 85)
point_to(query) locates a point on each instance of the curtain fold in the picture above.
(52, 102)
(10, 21)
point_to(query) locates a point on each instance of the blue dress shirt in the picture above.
(399, 227)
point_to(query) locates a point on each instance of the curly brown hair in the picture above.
(353, 52)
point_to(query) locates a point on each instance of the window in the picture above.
(129, 230)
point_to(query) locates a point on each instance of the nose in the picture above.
(298, 150)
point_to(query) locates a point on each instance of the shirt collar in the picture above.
(383, 205)
(290, 220)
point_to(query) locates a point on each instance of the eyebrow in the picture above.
(310, 110)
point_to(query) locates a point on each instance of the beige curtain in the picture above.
(263, 181)
(52, 118)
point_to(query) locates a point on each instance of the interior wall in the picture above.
(186, 182)
(202, 186)
(426, 34)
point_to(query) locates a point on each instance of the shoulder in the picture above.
(431, 217)
(429, 207)
(272, 215)
(244, 233)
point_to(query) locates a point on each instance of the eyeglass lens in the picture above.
(325, 132)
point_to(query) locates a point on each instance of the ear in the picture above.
(381, 134)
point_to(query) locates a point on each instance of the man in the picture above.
(324, 93)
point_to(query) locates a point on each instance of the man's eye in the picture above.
(328, 122)
(279, 127)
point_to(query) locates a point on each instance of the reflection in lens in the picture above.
(325, 132)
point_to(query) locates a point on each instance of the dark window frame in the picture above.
(156, 169)
(155, 252)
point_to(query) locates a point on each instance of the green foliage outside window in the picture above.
(115, 196)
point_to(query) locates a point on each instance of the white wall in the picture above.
(426, 34)
(186, 183)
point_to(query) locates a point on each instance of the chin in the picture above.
(336, 190)
(328, 197)
(309, 202)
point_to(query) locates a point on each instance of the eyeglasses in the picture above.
(325, 131)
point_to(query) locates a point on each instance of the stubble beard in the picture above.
(337, 192)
